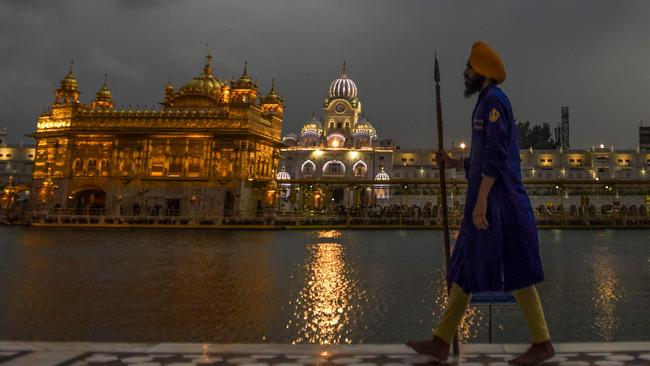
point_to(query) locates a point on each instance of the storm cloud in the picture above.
(590, 55)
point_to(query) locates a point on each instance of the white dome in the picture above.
(382, 175)
(312, 127)
(283, 175)
(343, 87)
(364, 128)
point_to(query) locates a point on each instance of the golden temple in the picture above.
(211, 150)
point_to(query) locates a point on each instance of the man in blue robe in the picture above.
(497, 248)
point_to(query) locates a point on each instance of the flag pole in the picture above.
(443, 183)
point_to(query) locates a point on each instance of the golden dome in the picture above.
(69, 82)
(244, 81)
(104, 93)
(205, 83)
(272, 97)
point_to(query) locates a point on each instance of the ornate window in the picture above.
(77, 167)
(92, 164)
(334, 168)
(175, 166)
(106, 167)
(157, 166)
(308, 169)
(194, 169)
(360, 169)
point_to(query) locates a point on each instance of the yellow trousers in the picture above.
(527, 299)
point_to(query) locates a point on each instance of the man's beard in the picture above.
(473, 85)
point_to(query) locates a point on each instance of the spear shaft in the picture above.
(443, 182)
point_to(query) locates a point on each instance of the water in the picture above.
(297, 286)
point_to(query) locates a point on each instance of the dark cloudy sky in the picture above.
(591, 55)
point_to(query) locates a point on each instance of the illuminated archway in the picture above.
(334, 168)
(360, 169)
(308, 168)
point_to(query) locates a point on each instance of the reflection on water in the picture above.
(341, 286)
(325, 308)
(329, 234)
(608, 291)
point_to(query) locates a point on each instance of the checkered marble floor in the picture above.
(89, 354)
(153, 359)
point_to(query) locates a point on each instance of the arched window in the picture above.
(77, 167)
(92, 164)
(308, 168)
(334, 168)
(106, 166)
(360, 169)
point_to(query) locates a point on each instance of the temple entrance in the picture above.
(89, 201)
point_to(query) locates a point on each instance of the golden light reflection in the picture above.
(471, 322)
(608, 292)
(324, 310)
(329, 234)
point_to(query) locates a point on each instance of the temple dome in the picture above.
(382, 175)
(343, 87)
(205, 83)
(283, 175)
(312, 126)
(364, 128)
(104, 93)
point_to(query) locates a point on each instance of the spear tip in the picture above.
(436, 69)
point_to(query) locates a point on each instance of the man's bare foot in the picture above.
(538, 352)
(435, 347)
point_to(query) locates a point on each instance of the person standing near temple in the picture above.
(497, 247)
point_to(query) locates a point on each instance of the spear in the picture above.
(443, 183)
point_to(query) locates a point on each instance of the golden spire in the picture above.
(104, 97)
(344, 70)
(69, 82)
(207, 69)
(244, 81)
(272, 97)
(68, 92)
(104, 92)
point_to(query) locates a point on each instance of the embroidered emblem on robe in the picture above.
(494, 115)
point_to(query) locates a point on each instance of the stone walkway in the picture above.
(178, 354)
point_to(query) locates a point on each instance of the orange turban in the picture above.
(486, 61)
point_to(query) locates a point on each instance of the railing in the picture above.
(270, 219)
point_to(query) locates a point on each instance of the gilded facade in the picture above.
(211, 150)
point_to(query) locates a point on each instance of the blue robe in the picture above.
(506, 256)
